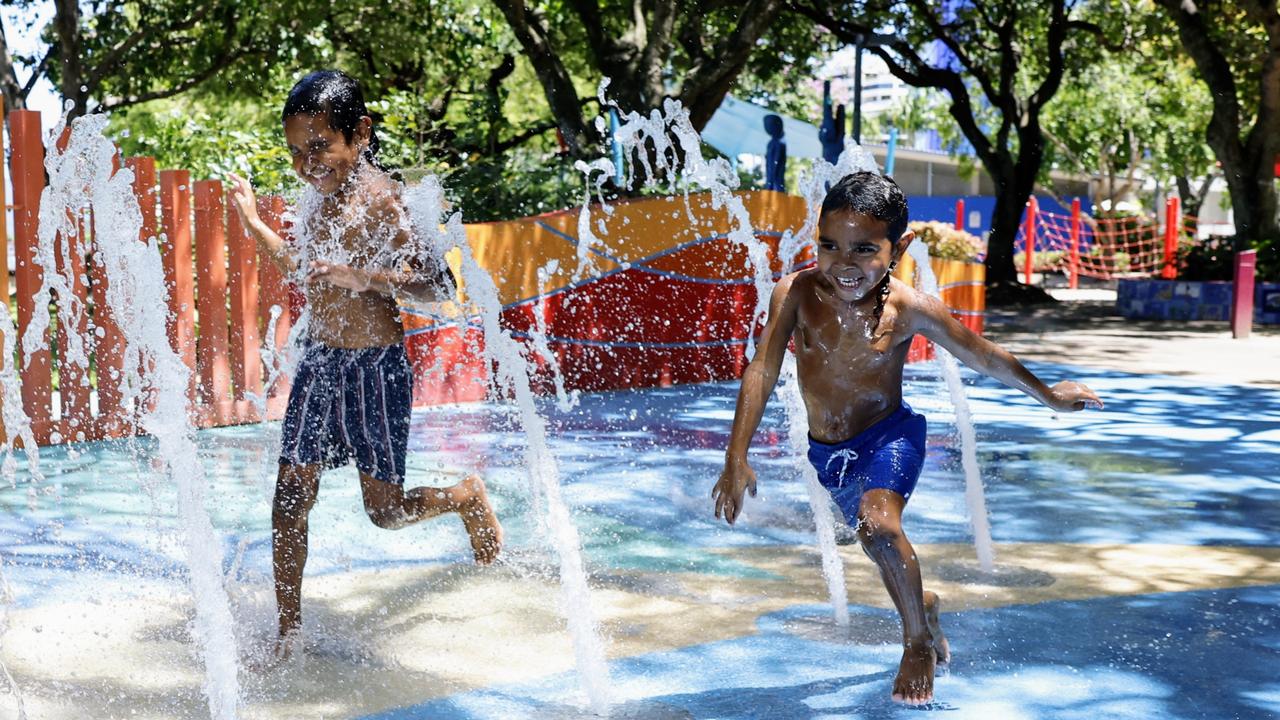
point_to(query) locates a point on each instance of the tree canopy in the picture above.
(1000, 64)
(499, 96)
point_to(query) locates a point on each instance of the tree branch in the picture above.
(223, 61)
(707, 83)
(112, 57)
(556, 83)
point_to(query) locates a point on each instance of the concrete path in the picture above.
(1085, 329)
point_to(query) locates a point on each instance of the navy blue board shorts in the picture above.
(350, 403)
(889, 455)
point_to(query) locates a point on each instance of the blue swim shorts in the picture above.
(350, 403)
(888, 455)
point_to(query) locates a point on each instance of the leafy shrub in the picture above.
(1214, 259)
(1208, 259)
(948, 243)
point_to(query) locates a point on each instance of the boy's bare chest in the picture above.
(846, 337)
(346, 242)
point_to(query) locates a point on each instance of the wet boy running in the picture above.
(352, 391)
(852, 323)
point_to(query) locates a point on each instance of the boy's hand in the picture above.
(736, 478)
(243, 199)
(343, 276)
(1069, 396)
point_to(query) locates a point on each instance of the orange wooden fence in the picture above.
(220, 295)
(669, 303)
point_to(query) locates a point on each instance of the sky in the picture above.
(22, 28)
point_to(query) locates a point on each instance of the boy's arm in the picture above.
(757, 384)
(932, 319)
(271, 244)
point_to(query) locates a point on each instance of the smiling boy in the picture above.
(852, 323)
(351, 396)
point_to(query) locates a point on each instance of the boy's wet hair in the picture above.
(337, 96)
(872, 194)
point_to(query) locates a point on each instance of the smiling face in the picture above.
(321, 155)
(855, 252)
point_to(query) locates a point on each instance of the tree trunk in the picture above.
(1012, 195)
(1015, 180)
(1247, 164)
(555, 80)
(14, 98)
(1253, 201)
(66, 21)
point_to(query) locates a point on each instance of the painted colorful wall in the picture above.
(667, 298)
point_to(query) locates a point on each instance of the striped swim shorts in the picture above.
(350, 403)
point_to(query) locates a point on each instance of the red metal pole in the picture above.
(1075, 243)
(1172, 213)
(1242, 294)
(959, 213)
(1029, 239)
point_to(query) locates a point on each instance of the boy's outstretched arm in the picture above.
(932, 319)
(271, 244)
(757, 384)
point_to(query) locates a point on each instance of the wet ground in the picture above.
(1138, 568)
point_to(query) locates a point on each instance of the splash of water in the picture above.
(426, 206)
(17, 426)
(83, 177)
(813, 188)
(11, 686)
(973, 492)
(819, 500)
(565, 400)
(667, 149)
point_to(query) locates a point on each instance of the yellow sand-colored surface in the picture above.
(394, 638)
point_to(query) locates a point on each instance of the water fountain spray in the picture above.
(426, 206)
(648, 140)
(81, 177)
(973, 491)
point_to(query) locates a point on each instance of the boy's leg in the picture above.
(390, 506)
(923, 645)
(296, 490)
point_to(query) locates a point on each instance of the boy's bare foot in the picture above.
(281, 650)
(914, 684)
(933, 606)
(481, 523)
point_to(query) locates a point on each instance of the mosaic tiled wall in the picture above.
(1179, 300)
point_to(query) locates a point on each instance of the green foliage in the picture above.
(210, 142)
(1141, 111)
(947, 242)
(1209, 259)
(523, 182)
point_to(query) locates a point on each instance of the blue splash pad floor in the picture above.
(1139, 547)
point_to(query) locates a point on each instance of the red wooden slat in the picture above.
(27, 171)
(108, 357)
(246, 361)
(212, 357)
(274, 291)
(147, 194)
(76, 423)
(179, 278)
